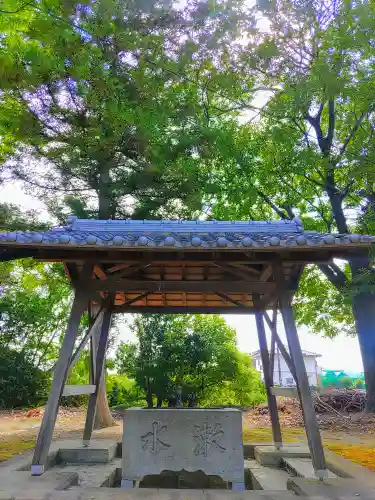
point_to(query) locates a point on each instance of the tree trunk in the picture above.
(150, 403)
(103, 417)
(103, 195)
(363, 306)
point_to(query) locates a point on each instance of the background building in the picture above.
(281, 373)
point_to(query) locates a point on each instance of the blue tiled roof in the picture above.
(182, 234)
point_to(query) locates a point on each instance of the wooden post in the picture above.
(272, 404)
(311, 424)
(58, 382)
(98, 364)
(273, 344)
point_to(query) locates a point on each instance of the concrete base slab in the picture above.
(301, 467)
(249, 448)
(165, 494)
(265, 478)
(345, 468)
(22, 483)
(74, 452)
(337, 488)
(272, 457)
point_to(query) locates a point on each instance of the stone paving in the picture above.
(72, 476)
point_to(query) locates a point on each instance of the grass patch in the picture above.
(359, 454)
(14, 447)
(264, 434)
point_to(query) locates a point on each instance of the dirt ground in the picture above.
(351, 436)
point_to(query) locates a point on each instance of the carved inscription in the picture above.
(151, 440)
(207, 437)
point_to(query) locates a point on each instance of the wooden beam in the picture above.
(185, 309)
(58, 382)
(78, 390)
(272, 404)
(235, 271)
(311, 424)
(135, 299)
(229, 299)
(266, 273)
(128, 271)
(288, 360)
(246, 268)
(87, 336)
(182, 286)
(273, 343)
(99, 368)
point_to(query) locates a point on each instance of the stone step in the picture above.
(99, 451)
(94, 475)
(272, 457)
(301, 467)
(265, 478)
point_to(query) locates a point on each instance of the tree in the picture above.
(22, 384)
(311, 151)
(104, 103)
(192, 354)
(34, 307)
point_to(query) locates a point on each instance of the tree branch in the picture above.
(352, 134)
(338, 280)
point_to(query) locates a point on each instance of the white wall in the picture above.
(284, 373)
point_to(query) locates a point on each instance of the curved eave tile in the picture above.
(193, 241)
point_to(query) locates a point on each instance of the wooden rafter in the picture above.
(179, 286)
(229, 299)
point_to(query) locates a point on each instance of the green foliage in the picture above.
(34, 305)
(113, 100)
(196, 354)
(123, 391)
(21, 383)
(345, 382)
(359, 384)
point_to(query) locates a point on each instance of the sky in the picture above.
(341, 353)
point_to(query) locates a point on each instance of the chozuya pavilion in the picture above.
(174, 266)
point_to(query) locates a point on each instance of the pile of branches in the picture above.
(340, 401)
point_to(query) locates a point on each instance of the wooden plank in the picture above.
(99, 369)
(180, 286)
(272, 405)
(78, 390)
(58, 382)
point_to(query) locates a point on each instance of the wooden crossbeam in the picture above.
(185, 309)
(182, 286)
(280, 345)
(85, 339)
(266, 273)
(245, 268)
(229, 299)
(78, 390)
